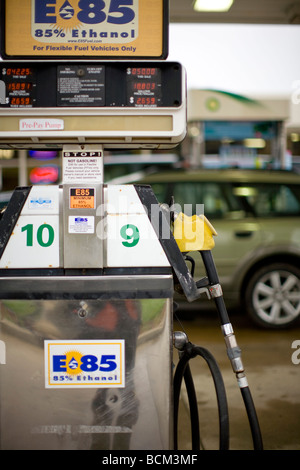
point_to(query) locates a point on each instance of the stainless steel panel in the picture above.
(82, 247)
(56, 287)
(138, 416)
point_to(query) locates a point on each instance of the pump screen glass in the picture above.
(144, 87)
(18, 87)
(87, 85)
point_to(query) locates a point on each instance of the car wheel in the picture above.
(273, 296)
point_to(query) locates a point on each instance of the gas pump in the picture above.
(86, 298)
(88, 269)
(86, 288)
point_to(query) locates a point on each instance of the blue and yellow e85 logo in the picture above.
(84, 364)
(85, 11)
(67, 21)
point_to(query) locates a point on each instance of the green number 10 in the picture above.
(131, 234)
(39, 235)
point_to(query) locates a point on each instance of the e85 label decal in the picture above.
(84, 364)
(69, 21)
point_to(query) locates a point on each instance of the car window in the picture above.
(216, 199)
(270, 200)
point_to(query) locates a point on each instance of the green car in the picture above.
(256, 214)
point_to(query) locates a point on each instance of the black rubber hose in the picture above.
(221, 395)
(178, 376)
(192, 351)
(252, 418)
(193, 405)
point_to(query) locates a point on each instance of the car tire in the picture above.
(272, 296)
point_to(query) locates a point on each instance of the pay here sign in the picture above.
(84, 28)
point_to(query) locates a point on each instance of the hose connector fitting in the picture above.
(233, 350)
(180, 340)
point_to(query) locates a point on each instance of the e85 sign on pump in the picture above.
(98, 28)
(83, 19)
(84, 363)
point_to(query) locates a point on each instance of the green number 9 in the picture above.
(131, 234)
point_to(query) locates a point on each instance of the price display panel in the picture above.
(18, 87)
(133, 85)
(144, 86)
(115, 104)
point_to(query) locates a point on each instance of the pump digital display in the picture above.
(144, 86)
(21, 101)
(18, 87)
(143, 71)
(94, 84)
(19, 72)
(15, 86)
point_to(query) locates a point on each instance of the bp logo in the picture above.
(212, 104)
(84, 364)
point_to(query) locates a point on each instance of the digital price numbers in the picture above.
(143, 87)
(80, 84)
(19, 87)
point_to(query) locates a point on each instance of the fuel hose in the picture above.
(183, 372)
(233, 350)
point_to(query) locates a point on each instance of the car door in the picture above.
(237, 228)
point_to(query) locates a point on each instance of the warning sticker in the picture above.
(82, 198)
(79, 167)
(80, 86)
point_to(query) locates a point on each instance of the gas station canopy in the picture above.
(241, 11)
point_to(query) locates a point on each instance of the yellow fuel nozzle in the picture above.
(193, 233)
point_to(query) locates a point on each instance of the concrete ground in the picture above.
(274, 381)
